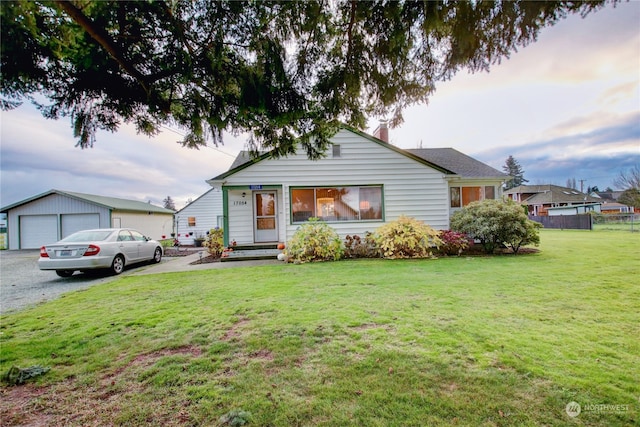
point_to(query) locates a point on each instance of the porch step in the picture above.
(255, 247)
(250, 254)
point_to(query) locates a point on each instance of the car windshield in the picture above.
(88, 236)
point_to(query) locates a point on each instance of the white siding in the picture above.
(153, 225)
(409, 187)
(206, 209)
(240, 217)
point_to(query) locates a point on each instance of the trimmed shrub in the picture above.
(453, 242)
(496, 223)
(406, 238)
(215, 242)
(357, 247)
(314, 241)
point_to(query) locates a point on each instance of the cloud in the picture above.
(123, 164)
(597, 156)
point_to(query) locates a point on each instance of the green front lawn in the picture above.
(505, 340)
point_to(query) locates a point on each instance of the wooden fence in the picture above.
(571, 222)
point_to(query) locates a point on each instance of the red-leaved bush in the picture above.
(453, 242)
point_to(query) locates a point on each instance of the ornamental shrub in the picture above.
(357, 247)
(496, 223)
(406, 238)
(215, 242)
(453, 242)
(314, 241)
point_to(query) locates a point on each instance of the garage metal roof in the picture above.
(108, 202)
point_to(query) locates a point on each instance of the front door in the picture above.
(265, 218)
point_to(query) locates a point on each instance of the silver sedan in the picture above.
(108, 248)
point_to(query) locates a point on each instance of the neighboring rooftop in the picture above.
(546, 194)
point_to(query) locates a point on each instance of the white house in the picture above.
(362, 183)
(539, 198)
(48, 217)
(199, 216)
(574, 209)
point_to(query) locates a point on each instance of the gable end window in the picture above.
(336, 151)
(462, 196)
(334, 204)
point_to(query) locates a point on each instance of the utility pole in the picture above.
(581, 185)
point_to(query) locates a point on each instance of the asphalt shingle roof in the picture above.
(446, 158)
(457, 162)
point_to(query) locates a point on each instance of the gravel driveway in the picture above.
(22, 284)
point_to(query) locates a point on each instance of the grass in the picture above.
(495, 341)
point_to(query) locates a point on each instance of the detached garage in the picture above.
(50, 216)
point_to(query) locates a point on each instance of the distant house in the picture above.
(574, 209)
(199, 216)
(615, 208)
(539, 198)
(363, 183)
(50, 216)
(607, 196)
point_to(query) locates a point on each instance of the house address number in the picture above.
(239, 202)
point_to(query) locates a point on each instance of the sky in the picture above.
(565, 107)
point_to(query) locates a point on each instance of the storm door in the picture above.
(265, 218)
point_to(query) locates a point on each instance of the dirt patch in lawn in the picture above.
(72, 402)
(235, 331)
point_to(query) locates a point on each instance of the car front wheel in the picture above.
(157, 255)
(64, 273)
(117, 266)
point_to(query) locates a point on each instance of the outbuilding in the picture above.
(51, 216)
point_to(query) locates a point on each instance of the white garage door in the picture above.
(76, 222)
(38, 230)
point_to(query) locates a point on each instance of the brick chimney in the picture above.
(382, 132)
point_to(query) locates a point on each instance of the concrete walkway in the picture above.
(178, 264)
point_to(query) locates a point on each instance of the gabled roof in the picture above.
(192, 202)
(446, 160)
(107, 202)
(458, 162)
(244, 157)
(546, 194)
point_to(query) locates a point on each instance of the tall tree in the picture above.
(285, 72)
(629, 179)
(593, 189)
(168, 203)
(630, 197)
(515, 171)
